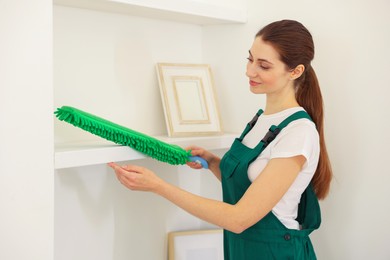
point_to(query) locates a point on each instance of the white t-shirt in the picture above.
(300, 137)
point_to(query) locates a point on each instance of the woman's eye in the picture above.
(260, 65)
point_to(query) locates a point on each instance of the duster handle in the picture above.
(199, 160)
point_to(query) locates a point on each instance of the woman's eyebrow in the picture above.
(261, 60)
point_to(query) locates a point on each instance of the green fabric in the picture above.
(143, 143)
(268, 238)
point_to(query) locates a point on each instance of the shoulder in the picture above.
(298, 137)
(302, 126)
(298, 131)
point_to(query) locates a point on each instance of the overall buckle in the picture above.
(270, 136)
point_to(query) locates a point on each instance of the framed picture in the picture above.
(189, 99)
(195, 245)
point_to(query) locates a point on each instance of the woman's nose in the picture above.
(250, 70)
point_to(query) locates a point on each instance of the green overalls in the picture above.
(268, 238)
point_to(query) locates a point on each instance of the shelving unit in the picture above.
(89, 153)
(69, 155)
(196, 12)
(123, 38)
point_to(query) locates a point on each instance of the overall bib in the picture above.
(268, 238)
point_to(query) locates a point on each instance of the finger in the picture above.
(119, 169)
(194, 165)
(133, 168)
(195, 152)
(113, 165)
(192, 147)
(124, 177)
(118, 175)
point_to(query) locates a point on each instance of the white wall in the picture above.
(26, 130)
(352, 63)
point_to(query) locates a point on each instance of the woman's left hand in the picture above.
(135, 177)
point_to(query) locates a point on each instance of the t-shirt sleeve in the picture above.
(298, 138)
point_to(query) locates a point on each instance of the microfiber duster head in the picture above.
(148, 145)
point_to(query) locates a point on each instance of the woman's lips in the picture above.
(253, 83)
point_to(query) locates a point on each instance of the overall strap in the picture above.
(297, 115)
(250, 125)
(275, 130)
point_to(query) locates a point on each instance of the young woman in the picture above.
(275, 172)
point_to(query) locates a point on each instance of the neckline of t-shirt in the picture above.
(283, 113)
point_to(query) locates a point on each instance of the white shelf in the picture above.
(90, 153)
(188, 11)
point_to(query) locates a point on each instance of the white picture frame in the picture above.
(195, 245)
(189, 99)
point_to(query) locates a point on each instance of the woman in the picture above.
(274, 174)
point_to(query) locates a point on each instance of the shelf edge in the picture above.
(86, 154)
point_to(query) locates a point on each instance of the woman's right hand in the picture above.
(208, 156)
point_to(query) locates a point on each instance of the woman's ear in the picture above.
(297, 72)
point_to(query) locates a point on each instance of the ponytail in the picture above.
(309, 97)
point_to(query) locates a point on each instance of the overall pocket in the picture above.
(229, 164)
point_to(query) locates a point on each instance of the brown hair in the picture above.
(295, 46)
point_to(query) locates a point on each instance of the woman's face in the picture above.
(266, 72)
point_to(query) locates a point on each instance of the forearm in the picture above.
(209, 210)
(214, 167)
